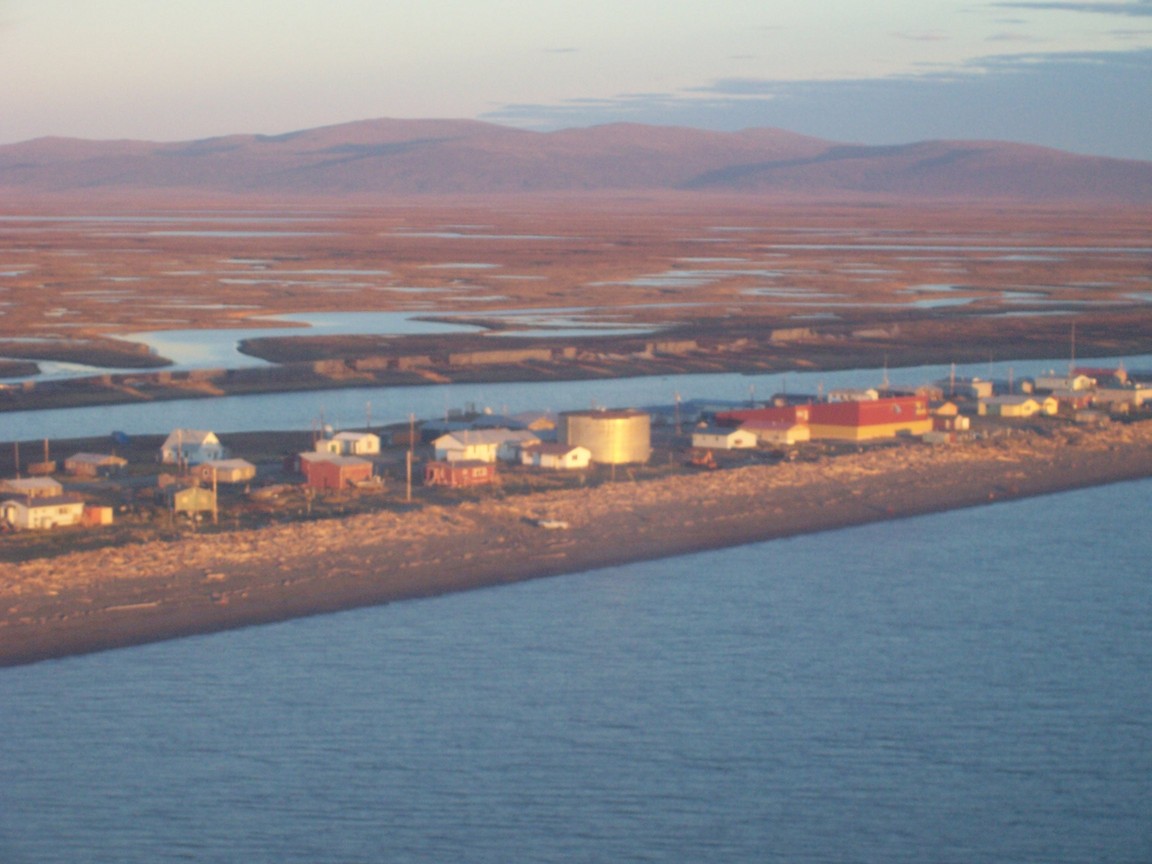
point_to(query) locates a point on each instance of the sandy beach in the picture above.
(95, 600)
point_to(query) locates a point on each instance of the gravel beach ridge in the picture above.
(95, 600)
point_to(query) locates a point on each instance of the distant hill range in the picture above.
(422, 157)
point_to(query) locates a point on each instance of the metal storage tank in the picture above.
(613, 437)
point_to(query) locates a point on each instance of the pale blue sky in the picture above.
(1074, 75)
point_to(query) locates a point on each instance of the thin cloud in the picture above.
(927, 36)
(1136, 8)
(1088, 102)
(1013, 37)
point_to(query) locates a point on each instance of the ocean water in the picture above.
(963, 687)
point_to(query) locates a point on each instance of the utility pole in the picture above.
(408, 494)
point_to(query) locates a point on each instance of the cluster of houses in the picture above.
(42, 503)
(467, 450)
(935, 412)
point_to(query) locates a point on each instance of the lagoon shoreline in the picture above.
(96, 600)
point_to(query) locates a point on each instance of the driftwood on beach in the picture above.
(86, 601)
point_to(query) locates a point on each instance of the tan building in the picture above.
(226, 471)
(1018, 406)
(94, 465)
(32, 487)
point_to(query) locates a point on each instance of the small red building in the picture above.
(324, 471)
(459, 474)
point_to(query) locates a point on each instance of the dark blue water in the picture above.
(966, 687)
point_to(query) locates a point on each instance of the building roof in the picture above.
(772, 425)
(354, 436)
(1016, 399)
(722, 431)
(31, 483)
(36, 502)
(549, 448)
(96, 459)
(487, 437)
(608, 414)
(191, 436)
(228, 463)
(333, 459)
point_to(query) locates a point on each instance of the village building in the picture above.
(226, 471)
(324, 471)
(94, 465)
(190, 447)
(1133, 396)
(724, 438)
(42, 512)
(512, 445)
(778, 434)
(1021, 406)
(1068, 401)
(482, 445)
(951, 422)
(966, 388)
(1103, 377)
(557, 457)
(943, 408)
(931, 392)
(96, 516)
(430, 430)
(769, 414)
(1052, 381)
(536, 421)
(181, 498)
(459, 474)
(866, 421)
(32, 487)
(853, 394)
(350, 444)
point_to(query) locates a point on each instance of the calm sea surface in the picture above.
(965, 687)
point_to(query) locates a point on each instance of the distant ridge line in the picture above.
(388, 157)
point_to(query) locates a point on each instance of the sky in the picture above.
(1074, 75)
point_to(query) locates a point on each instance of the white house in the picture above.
(723, 438)
(482, 445)
(45, 512)
(350, 444)
(191, 446)
(776, 434)
(560, 457)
